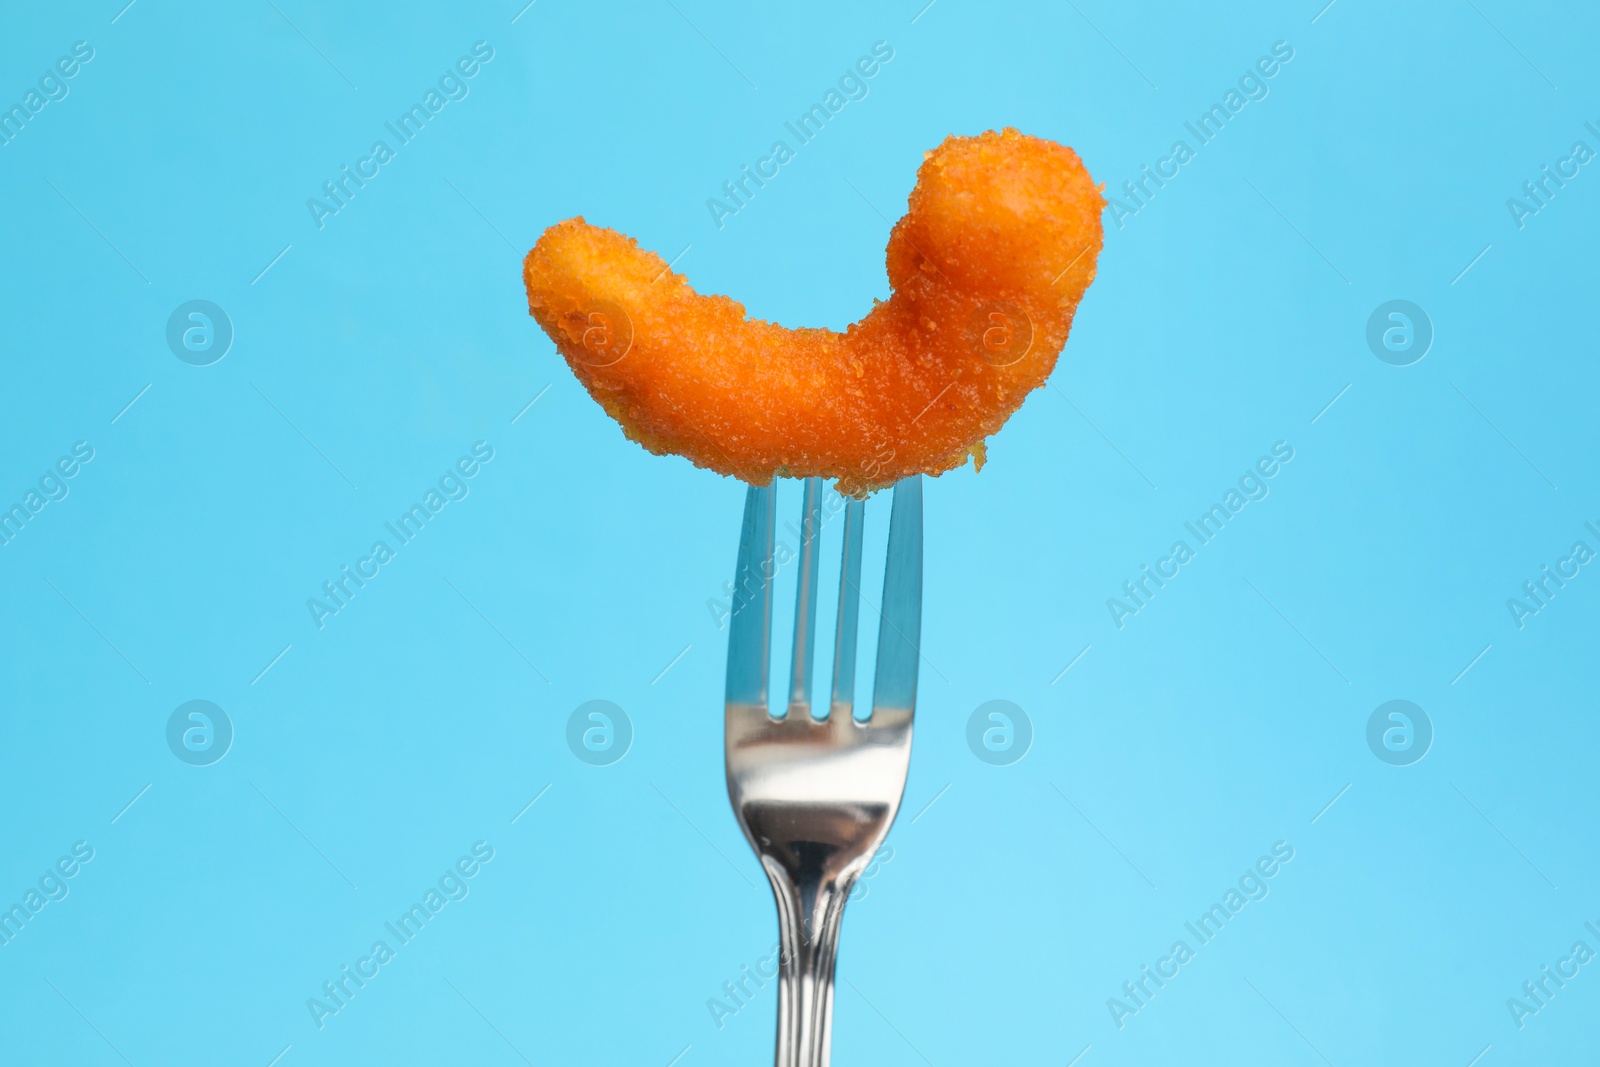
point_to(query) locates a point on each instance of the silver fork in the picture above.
(816, 797)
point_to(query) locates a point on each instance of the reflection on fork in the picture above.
(816, 796)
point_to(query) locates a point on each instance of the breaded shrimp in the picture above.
(987, 268)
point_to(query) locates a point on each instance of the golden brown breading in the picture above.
(986, 268)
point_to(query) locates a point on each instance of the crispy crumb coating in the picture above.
(986, 268)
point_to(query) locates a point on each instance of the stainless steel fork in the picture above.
(816, 797)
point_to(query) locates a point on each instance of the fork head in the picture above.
(816, 796)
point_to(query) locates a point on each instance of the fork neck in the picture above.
(810, 911)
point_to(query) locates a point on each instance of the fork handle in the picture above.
(809, 918)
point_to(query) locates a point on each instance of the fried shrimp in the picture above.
(987, 268)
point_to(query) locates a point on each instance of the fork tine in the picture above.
(900, 633)
(750, 626)
(844, 642)
(805, 601)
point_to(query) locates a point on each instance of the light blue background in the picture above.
(426, 715)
